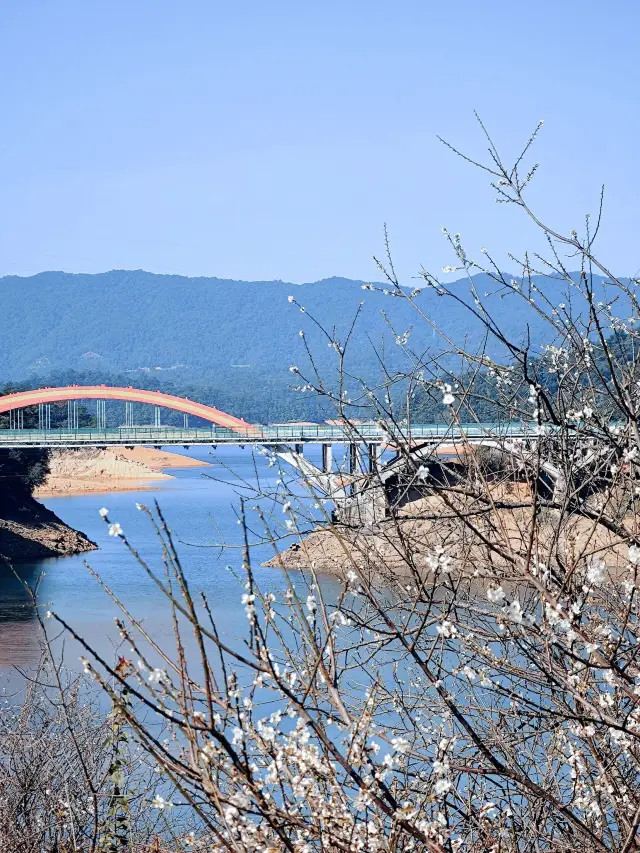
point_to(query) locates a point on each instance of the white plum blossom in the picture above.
(159, 802)
(441, 768)
(104, 512)
(514, 611)
(400, 744)
(496, 595)
(596, 570)
(115, 530)
(291, 299)
(447, 397)
(634, 555)
(439, 561)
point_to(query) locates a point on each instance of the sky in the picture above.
(267, 139)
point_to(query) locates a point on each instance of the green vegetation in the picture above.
(21, 471)
(237, 339)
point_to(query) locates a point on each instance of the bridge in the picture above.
(364, 442)
(224, 428)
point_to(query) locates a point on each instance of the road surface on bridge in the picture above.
(259, 435)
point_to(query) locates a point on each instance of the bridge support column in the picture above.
(355, 459)
(186, 421)
(374, 452)
(327, 458)
(156, 414)
(299, 449)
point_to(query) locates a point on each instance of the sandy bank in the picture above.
(110, 469)
(158, 459)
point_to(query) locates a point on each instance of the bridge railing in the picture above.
(256, 435)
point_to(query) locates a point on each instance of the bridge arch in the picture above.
(23, 399)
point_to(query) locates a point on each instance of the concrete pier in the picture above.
(327, 458)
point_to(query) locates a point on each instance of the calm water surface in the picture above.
(201, 511)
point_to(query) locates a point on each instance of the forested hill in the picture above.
(228, 333)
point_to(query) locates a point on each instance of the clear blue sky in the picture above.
(263, 139)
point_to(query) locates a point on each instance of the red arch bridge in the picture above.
(364, 439)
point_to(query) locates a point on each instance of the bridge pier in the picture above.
(354, 458)
(374, 452)
(327, 458)
(156, 416)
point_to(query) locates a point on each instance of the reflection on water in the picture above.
(19, 643)
(15, 601)
(201, 511)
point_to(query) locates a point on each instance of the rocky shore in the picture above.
(30, 531)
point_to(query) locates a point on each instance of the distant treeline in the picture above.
(275, 401)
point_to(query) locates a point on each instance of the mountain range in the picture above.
(235, 336)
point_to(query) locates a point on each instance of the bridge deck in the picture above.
(156, 436)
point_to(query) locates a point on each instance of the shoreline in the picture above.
(73, 490)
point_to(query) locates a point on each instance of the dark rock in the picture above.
(30, 531)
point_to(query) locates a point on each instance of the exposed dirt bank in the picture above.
(30, 531)
(110, 469)
(158, 459)
(424, 525)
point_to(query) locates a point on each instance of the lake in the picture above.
(201, 507)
